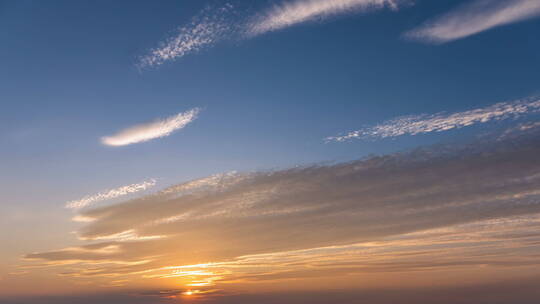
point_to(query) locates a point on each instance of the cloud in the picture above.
(475, 17)
(214, 25)
(300, 11)
(109, 194)
(507, 291)
(432, 209)
(148, 131)
(206, 29)
(413, 125)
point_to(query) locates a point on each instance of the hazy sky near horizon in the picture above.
(235, 151)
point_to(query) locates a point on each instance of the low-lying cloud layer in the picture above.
(443, 208)
(110, 194)
(148, 131)
(475, 17)
(505, 291)
(413, 125)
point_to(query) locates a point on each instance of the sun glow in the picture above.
(191, 292)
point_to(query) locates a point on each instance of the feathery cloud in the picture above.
(413, 125)
(109, 194)
(204, 30)
(214, 25)
(300, 11)
(475, 17)
(152, 130)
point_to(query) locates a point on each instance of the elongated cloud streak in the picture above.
(475, 17)
(413, 125)
(300, 11)
(204, 30)
(149, 131)
(110, 194)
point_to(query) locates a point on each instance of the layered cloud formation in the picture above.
(413, 125)
(424, 210)
(475, 17)
(148, 131)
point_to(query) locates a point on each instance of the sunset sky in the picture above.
(270, 151)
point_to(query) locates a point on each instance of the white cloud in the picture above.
(109, 194)
(204, 30)
(413, 125)
(475, 17)
(214, 25)
(299, 11)
(152, 130)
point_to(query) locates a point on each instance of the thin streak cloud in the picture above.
(300, 11)
(475, 17)
(110, 194)
(413, 125)
(148, 131)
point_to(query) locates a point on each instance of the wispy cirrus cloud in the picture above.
(299, 11)
(110, 194)
(214, 25)
(475, 17)
(413, 125)
(148, 131)
(205, 29)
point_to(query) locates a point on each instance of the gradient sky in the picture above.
(291, 151)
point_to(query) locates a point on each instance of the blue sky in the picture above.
(70, 76)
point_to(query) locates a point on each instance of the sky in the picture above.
(269, 151)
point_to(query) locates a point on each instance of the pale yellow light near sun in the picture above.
(190, 292)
